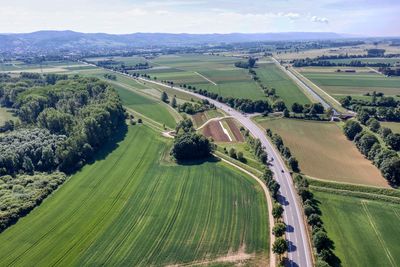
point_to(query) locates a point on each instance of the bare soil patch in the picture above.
(235, 130)
(214, 130)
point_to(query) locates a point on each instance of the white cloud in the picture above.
(319, 19)
(290, 15)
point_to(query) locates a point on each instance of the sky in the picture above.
(359, 17)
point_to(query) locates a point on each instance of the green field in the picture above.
(6, 115)
(272, 77)
(359, 83)
(145, 105)
(364, 232)
(324, 152)
(213, 73)
(134, 207)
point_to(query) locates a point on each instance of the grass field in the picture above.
(132, 95)
(6, 115)
(213, 73)
(395, 126)
(324, 152)
(133, 207)
(364, 232)
(272, 77)
(146, 106)
(359, 83)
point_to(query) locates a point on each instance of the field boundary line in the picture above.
(272, 258)
(153, 124)
(395, 212)
(205, 78)
(384, 246)
(173, 112)
(213, 119)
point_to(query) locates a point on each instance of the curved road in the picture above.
(299, 250)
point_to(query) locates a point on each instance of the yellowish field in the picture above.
(5, 115)
(324, 152)
(395, 126)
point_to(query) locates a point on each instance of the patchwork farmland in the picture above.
(134, 207)
(357, 83)
(213, 73)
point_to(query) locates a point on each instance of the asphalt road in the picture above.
(299, 249)
(305, 87)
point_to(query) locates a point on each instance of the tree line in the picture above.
(284, 150)
(326, 63)
(280, 245)
(322, 244)
(380, 107)
(80, 113)
(385, 158)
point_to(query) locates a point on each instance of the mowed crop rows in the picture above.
(273, 77)
(213, 73)
(324, 152)
(359, 83)
(131, 208)
(368, 232)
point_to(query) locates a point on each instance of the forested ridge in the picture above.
(63, 122)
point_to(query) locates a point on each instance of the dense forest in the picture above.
(63, 122)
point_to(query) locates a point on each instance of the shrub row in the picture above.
(284, 150)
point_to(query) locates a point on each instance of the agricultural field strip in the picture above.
(273, 76)
(313, 87)
(283, 178)
(272, 256)
(306, 89)
(225, 131)
(173, 112)
(352, 222)
(123, 187)
(151, 123)
(383, 244)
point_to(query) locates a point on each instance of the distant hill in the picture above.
(44, 40)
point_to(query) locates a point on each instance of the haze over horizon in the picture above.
(358, 17)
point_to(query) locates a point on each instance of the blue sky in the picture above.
(361, 17)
